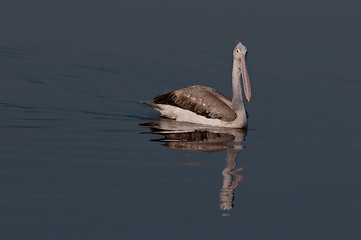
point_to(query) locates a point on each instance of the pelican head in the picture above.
(239, 56)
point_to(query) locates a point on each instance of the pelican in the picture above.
(205, 105)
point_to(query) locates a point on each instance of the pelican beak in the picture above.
(245, 77)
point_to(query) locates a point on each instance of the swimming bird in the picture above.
(205, 105)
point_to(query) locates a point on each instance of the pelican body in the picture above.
(205, 105)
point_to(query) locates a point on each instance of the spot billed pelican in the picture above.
(205, 105)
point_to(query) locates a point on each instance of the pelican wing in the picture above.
(218, 95)
(201, 100)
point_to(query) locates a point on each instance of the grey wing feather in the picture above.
(219, 95)
(201, 100)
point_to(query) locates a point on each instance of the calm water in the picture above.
(81, 158)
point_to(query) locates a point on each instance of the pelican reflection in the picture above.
(201, 138)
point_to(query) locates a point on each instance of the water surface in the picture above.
(80, 157)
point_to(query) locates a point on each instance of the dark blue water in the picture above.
(81, 158)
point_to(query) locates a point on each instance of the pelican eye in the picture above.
(237, 51)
